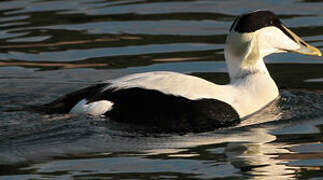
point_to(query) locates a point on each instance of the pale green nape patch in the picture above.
(246, 46)
(253, 55)
(238, 45)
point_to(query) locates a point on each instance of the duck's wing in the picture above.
(154, 99)
(173, 83)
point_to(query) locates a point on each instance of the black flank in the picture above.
(167, 113)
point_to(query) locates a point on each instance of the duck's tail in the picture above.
(65, 103)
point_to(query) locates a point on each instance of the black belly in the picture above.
(162, 112)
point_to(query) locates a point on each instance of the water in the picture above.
(49, 48)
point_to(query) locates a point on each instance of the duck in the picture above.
(175, 102)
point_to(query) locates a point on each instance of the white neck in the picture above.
(249, 76)
(243, 56)
(238, 71)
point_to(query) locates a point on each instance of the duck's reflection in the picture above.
(253, 151)
(258, 158)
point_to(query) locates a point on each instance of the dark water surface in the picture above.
(51, 47)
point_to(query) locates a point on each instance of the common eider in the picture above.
(175, 102)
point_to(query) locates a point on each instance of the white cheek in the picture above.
(273, 40)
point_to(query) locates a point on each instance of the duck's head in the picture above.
(257, 34)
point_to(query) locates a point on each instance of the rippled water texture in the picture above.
(49, 48)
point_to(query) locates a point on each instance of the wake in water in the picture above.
(26, 136)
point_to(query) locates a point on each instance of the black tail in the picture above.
(65, 103)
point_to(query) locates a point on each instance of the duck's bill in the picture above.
(308, 50)
(305, 48)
